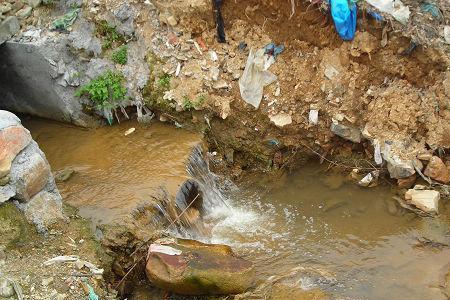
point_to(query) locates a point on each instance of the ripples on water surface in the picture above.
(310, 218)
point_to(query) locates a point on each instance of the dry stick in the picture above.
(333, 162)
(140, 247)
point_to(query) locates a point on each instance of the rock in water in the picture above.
(192, 268)
(426, 200)
(437, 170)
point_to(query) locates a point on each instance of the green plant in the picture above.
(120, 56)
(106, 92)
(110, 34)
(199, 101)
(187, 104)
(164, 81)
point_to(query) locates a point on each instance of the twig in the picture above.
(178, 217)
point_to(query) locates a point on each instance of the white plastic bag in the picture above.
(395, 8)
(255, 78)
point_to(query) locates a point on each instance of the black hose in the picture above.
(219, 21)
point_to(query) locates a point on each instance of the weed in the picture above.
(120, 56)
(200, 101)
(106, 91)
(164, 81)
(110, 34)
(187, 104)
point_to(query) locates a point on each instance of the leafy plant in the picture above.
(187, 104)
(110, 34)
(200, 100)
(106, 92)
(120, 56)
(164, 81)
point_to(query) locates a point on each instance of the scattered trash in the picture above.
(89, 290)
(213, 55)
(432, 9)
(130, 131)
(377, 152)
(178, 125)
(370, 180)
(242, 46)
(375, 15)
(273, 142)
(77, 261)
(281, 119)
(411, 48)
(201, 43)
(61, 259)
(344, 13)
(447, 34)
(178, 70)
(274, 50)
(278, 90)
(63, 23)
(164, 249)
(313, 116)
(219, 21)
(255, 78)
(395, 8)
(198, 48)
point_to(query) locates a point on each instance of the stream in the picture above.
(349, 241)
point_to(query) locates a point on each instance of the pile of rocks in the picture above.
(25, 174)
(12, 13)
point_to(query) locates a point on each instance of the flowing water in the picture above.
(346, 240)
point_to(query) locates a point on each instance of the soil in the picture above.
(24, 255)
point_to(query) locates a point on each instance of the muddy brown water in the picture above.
(114, 172)
(349, 241)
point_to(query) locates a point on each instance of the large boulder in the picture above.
(25, 175)
(192, 268)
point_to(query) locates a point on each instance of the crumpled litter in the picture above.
(255, 77)
(395, 8)
(274, 50)
(164, 249)
(66, 20)
(344, 14)
(78, 262)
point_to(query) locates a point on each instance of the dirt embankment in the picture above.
(381, 84)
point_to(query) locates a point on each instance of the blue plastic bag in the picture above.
(344, 17)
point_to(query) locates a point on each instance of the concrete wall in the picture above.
(36, 79)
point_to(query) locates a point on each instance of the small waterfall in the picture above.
(214, 196)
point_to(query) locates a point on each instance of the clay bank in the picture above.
(224, 149)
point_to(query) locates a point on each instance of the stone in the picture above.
(34, 3)
(83, 37)
(172, 21)
(346, 132)
(8, 28)
(8, 119)
(192, 268)
(281, 119)
(30, 172)
(98, 66)
(437, 170)
(24, 12)
(221, 84)
(426, 200)
(63, 175)
(6, 288)
(44, 209)
(406, 183)
(13, 139)
(400, 168)
(6, 193)
(5, 7)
